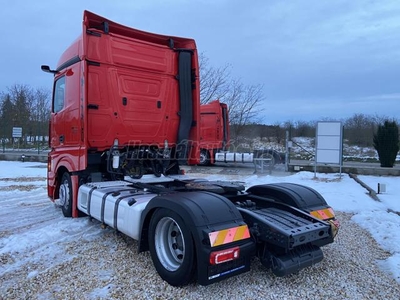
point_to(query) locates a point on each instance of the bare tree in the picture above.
(214, 82)
(21, 97)
(279, 132)
(22, 106)
(359, 130)
(304, 129)
(243, 104)
(243, 100)
(40, 112)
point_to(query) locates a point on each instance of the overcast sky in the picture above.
(316, 59)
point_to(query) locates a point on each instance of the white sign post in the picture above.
(16, 133)
(329, 144)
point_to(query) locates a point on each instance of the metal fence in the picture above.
(357, 147)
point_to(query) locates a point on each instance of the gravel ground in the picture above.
(100, 264)
(107, 266)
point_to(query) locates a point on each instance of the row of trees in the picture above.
(373, 132)
(25, 107)
(358, 130)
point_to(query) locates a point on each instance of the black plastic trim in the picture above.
(94, 33)
(106, 27)
(69, 63)
(225, 126)
(171, 43)
(90, 200)
(302, 197)
(116, 205)
(208, 113)
(93, 63)
(186, 104)
(92, 106)
(103, 201)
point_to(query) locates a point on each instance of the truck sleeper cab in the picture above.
(125, 115)
(125, 103)
(214, 131)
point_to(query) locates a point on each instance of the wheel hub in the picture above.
(203, 157)
(64, 193)
(169, 244)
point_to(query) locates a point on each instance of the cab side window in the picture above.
(59, 94)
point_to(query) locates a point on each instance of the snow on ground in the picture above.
(13, 169)
(31, 224)
(31, 229)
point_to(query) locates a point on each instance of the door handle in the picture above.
(92, 106)
(61, 138)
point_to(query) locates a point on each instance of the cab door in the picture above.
(65, 125)
(57, 131)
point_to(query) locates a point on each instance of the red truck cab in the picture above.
(214, 130)
(125, 102)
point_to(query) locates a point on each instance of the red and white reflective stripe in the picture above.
(323, 214)
(230, 235)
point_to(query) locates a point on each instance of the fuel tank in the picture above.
(114, 203)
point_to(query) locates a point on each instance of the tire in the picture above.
(157, 168)
(171, 247)
(172, 168)
(65, 195)
(204, 157)
(267, 163)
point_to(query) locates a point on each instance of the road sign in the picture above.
(17, 132)
(328, 145)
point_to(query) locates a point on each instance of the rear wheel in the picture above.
(171, 247)
(204, 157)
(266, 161)
(65, 195)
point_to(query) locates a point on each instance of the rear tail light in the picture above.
(219, 257)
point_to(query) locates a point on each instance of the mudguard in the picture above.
(296, 195)
(203, 212)
(303, 198)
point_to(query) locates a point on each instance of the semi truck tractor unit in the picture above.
(125, 116)
(214, 131)
(215, 140)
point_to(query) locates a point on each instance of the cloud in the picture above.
(324, 51)
(314, 109)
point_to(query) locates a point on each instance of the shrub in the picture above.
(386, 142)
